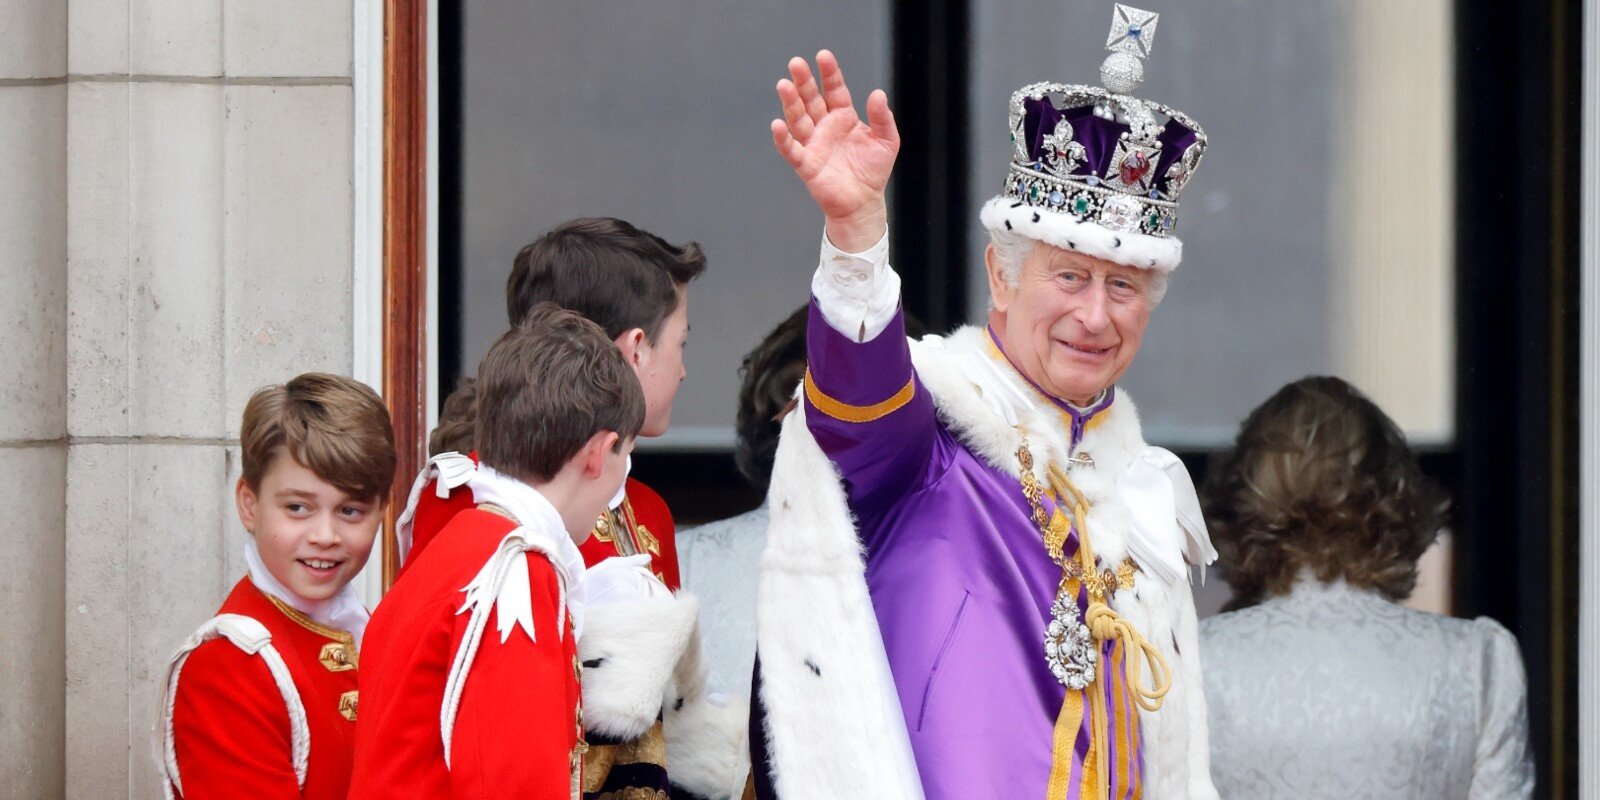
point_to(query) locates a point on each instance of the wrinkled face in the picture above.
(660, 368)
(313, 537)
(1072, 323)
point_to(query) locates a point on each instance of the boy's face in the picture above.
(660, 368)
(604, 468)
(313, 537)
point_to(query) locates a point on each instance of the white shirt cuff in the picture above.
(857, 293)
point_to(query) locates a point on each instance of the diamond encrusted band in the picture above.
(1088, 201)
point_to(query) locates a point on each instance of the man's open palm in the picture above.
(843, 161)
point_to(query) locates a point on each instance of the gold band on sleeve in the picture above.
(849, 413)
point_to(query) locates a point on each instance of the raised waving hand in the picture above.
(843, 161)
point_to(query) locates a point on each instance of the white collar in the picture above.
(539, 520)
(622, 491)
(344, 611)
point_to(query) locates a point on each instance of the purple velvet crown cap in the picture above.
(1099, 137)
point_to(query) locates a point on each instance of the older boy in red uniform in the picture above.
(472, 688)
(634, 285)
(261, 701)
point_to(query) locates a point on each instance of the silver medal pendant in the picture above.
(1068, 646)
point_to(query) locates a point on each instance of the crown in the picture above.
(1096, 155)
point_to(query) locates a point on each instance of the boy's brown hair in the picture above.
(605, 269)
(546, 387)
(458, 421)
(334, 426)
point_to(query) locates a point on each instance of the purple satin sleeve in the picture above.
(880, 458)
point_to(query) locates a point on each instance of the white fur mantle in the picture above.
(834, 725)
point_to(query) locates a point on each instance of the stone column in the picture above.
(209, 219)
(33, 383)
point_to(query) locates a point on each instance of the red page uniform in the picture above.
(472, 686)
(638, 523)
(260, 703)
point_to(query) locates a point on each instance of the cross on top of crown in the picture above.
(1133, 30)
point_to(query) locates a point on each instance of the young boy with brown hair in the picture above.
(635, 286)
(472, 687)
(261, 700)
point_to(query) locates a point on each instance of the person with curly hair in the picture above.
(1319, 683)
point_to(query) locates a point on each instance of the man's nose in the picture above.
(1093, 313)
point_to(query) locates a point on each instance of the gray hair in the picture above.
(1012, 248)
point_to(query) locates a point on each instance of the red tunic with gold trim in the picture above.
(518, 728)
(231, 730)
(641, 524)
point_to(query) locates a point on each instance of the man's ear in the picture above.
(632, 343)
(245, 499)
(595, 451)
(1000, 291)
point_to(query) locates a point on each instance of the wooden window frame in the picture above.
(405, 253)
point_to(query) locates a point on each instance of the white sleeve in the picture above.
(1503, 764)
(857, 293)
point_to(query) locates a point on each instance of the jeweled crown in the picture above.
(1096, 153)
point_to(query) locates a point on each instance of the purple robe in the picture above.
(960, 581)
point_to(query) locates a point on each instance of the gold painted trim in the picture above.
(501, 510)
(848, 413)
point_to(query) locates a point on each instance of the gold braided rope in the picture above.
(1105, 624)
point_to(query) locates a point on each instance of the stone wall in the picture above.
(176, 180)
(33, 385)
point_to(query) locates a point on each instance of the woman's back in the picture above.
(1335, 692)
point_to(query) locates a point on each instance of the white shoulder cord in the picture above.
(453, 470)
(252, 637)
(513, 599)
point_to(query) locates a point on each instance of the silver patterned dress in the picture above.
(1334, 692)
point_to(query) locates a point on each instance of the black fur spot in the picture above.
(1008, 224)
(1035, 216)
(593, 663)
(1072, 245)
(1116, 241)
(1175, 647)
(1017, 204)
(815, 670)
(678, 706)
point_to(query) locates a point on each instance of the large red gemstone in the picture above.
(1134, 167)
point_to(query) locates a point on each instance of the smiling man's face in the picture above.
(1071, 323)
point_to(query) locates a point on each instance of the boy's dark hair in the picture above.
(771, 372)
(458, 421)
(546, 387)
(605, 269)
(334, 426)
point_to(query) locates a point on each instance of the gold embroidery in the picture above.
(601, 759)
(299, 617)
(602, 528)
(501, 510)
(647, 540)
(347, 704)
(337, 657)
(848, 413)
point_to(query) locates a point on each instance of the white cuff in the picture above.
(857, 293)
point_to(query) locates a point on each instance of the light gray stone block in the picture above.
(288, 213)
(33, 39)
(97, 37)
(287, 38)
(180, 522)
(175, 37)
(98, 620)
(33, 305)
(175, 289)
(97, 259)
(32, 690)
